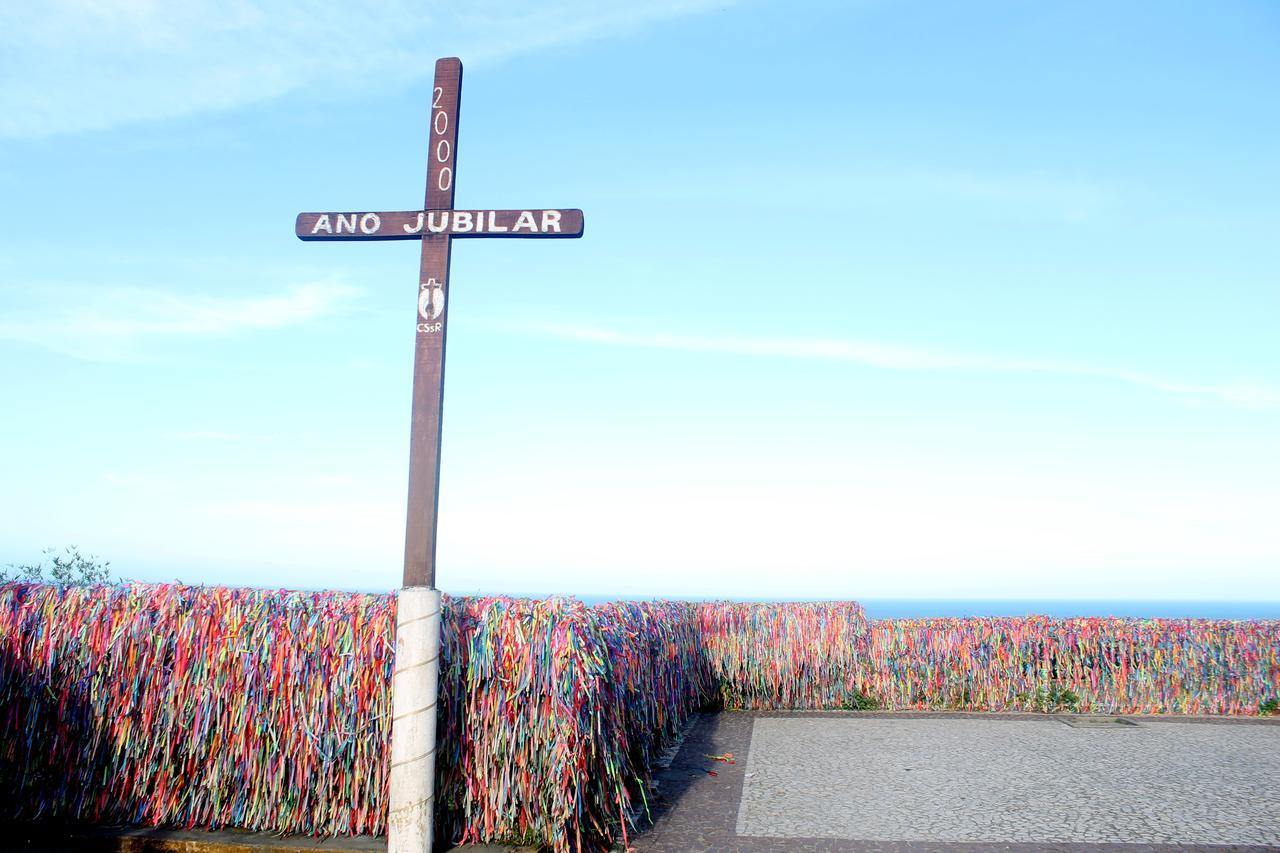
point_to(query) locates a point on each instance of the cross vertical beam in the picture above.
(429, 350)
(414, 685)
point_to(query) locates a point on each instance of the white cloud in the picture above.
(104, 326)
(896, 357)
(71, 65)
(1053, 196)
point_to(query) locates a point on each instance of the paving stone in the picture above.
(1220, 779)
(1000, 780)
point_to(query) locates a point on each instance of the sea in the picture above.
(919, 608)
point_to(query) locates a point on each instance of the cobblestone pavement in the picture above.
(954, 782)
(1017, 780)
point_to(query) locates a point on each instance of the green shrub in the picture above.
(71, 568)
(1050, 700)
(860, 702)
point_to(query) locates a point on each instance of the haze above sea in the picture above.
(917, 608)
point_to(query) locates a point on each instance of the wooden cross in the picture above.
(436, 226)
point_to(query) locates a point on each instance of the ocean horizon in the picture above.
(920, 608)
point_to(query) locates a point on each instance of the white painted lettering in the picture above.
(551, 221)
(349, 225)
(430, 300)
(525, 220)
(370, 223)
(431, 221)
(493, 222)
(415, 229)
(461, 222)
(322, 224)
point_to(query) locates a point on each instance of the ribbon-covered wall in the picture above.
(211, 707)
(796, 655)
(1116, 666)
(194, 706)
(269, 710)
(554, 712)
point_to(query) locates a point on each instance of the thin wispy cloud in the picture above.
(1055, 195)
(897, 357)
(114, 325)
(72, 65)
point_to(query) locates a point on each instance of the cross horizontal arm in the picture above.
(414, 224)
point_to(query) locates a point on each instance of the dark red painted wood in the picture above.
(428, 356)
(412, 224)
(436, 226)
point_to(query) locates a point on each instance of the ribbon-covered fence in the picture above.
(555, 711)
(269, 710)
(797, 655)
(266, 710)
(195, 707)
(1114, 666)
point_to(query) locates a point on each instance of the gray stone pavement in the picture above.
(967, 780)
(955, 783)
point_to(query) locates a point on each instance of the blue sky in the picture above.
(875, 299)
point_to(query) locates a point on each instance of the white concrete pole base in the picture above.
(414, 690)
